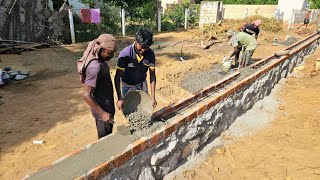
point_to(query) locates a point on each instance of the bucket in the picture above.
(226, 66)
(137, 100)
(137, 108)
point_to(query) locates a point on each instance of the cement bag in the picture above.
(137, 108)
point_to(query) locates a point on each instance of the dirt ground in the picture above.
(48, 106)
(287, 148)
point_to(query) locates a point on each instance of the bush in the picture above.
(173, 18)
(167, 25)
(250, 1)
(314, 4)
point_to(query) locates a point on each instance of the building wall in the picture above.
(240, 11)
(182, 144)
(286, 7)
(210, 12)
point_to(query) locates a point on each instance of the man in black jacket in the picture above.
(252, 28)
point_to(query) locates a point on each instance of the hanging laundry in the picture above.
(85, 16)
(95, 16)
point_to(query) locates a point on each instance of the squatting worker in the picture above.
(98, 88)
(252, 28)
(244, 41)
(133, 63)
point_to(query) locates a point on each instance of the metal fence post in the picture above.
(73, 39)
(186, 14)
(159, 19)
(123, 18)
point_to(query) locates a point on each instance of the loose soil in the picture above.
(48, 105)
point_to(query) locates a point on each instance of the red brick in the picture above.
(244, 83)
(192, 98)
(186, 101)
(83, 177)
(100, 171)
(237, 87)
(213, 101)
(155, 138)
(230, 91)
(223, 95)
(202, 107)
(72, 153)
(206, 90)
(180, 121)
(168, 110)
(192, 114)
(197, 95)
(122, 158)
(169, 129)
(139, 146)
(260, 73)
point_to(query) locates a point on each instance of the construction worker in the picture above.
(133, 63)
(252, 28)
(98, 88)
(244, 41)
(306, 20)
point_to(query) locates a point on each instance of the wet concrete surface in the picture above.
(87, 159)
(197, 81)
(141, 125)
(139, 120)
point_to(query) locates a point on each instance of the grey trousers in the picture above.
(246, 57)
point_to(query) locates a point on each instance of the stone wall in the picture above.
(298, 16)
(214, 109)
(180, 140)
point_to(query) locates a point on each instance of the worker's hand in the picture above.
(106, 117)
(120, 104)
(154, 103)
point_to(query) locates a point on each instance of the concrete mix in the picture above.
(139, 120)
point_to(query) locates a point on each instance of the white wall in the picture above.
(165, 2)
(286, 6)
(235, 11)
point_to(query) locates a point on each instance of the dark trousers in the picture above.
(103, 128)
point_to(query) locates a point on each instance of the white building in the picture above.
(286, 7)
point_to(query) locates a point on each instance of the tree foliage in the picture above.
(314, 4)
(250, 1)
(138, 12)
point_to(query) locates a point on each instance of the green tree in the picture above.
(314, 4)
(250, 1)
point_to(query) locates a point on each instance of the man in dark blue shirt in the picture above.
(133, 63)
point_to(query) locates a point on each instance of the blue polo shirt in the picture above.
(135, 68)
